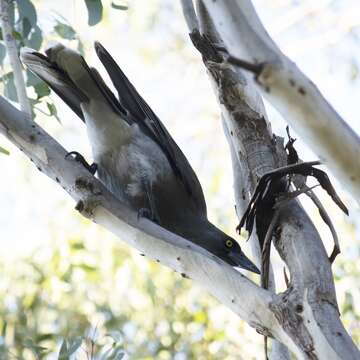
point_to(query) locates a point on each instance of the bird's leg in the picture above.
(79, 158)
(150, 211)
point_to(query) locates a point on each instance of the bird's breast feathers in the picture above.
(125, 153)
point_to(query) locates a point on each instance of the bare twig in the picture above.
(326, 218)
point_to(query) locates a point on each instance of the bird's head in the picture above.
(235, 257)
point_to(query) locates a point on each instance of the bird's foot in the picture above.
(79, 158)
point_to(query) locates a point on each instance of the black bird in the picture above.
(136, 157)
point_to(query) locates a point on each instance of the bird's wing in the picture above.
(143, 115)
(47, 69)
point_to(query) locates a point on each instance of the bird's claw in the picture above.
(79, 158)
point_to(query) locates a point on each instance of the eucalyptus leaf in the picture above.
(5, 152)
(65, 31)
(27, 10)
(11, 12)
(17, 36)
(63, 351)
(69, 347)
(117, 354)
(116, 336)
(10, 89)
(32, 79)
(41, 90)
(26, 27)
(45, 336)
(95, 10)
(53, 111)
(30, 344)
(74, 344)
(119, 7)
(35, 39)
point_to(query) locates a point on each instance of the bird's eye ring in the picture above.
(229, 243)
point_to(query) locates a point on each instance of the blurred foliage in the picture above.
(94, 298)
(4, 151)
(74, 297)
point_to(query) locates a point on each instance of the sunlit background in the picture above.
(65, 277)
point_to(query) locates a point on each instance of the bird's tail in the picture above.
(69, 76)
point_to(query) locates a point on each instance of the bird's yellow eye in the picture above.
(229, 243)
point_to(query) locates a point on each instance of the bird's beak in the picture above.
(243, 262)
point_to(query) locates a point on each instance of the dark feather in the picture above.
(141, 112)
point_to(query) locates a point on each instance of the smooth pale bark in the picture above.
(308, 308)
(290, 91)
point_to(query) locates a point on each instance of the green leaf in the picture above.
(4, 327)
(41, 90)
(10, 89)
(43, 337)
(74, 344)
(2, 53)
(29, 343)
(77, 245)
(63, 351)
(116, 336)
(17, 36)
(35, 39)
(26, 27)
(68, 347)
(32, 79)
(119, 7)
(27, 10)
(11, 9)
(117, 354)
(95, 10)
(65, 31)
(53, 111)
(87, 268)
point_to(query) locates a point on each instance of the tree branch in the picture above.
(296, 238)
(189, 14)
(11, 48)
(288, 89)
(206, 27)
(307, 310)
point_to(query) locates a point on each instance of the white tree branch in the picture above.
(296, 238)
(307, 309)
(189, 14)
(241, 169)
(288, 89)
(11, 48)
